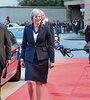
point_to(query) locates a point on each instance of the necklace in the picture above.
(35, 30)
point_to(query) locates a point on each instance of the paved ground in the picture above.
(73, 36)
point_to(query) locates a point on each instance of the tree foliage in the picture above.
(41, 2)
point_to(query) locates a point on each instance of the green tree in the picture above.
(41, 2)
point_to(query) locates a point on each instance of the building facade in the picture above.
(74, 10)
(87, 10)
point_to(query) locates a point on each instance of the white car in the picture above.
(14, 25)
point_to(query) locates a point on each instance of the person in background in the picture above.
(76, 27)
(7, 22)
(37, 49)
(79, 24)
(54, 26)
(87, 32)
(58, 27)
(5, 48)
(48, 23)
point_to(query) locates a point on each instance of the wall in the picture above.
(73, 9)
(72, 2)
(78, 2)
(22, 14)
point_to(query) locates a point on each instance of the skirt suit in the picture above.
(37, 53)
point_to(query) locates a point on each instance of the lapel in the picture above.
(31, 33)
(40, 32)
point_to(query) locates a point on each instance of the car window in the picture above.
(18, 32)
(12, 38)
(14, 44)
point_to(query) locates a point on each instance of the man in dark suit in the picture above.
(49, 24)
(5, 48)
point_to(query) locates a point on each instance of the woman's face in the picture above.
(37, 19)
(6, 22)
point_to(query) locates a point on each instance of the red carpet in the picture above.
(68, 80)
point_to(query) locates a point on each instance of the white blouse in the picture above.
(35, 36)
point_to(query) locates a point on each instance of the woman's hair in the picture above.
(8, 19)
(35, 12)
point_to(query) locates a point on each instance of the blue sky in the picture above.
(8, 2)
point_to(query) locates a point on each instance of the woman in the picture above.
(87, 32)
(37, 48)
(7, 22)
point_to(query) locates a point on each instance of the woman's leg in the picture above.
(31, 89)
(38, 90)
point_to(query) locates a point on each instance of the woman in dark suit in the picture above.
(37, 49)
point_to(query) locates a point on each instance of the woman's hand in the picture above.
(51, 65)
(22, 64)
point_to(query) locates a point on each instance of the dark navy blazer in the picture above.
(43, 45)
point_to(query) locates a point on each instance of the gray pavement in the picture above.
(71, 40)
(73, 36)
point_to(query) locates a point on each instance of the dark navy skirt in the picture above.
(37, 70)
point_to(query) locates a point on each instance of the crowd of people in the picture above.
(58, 26)
(63, 26)
(67, 26)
